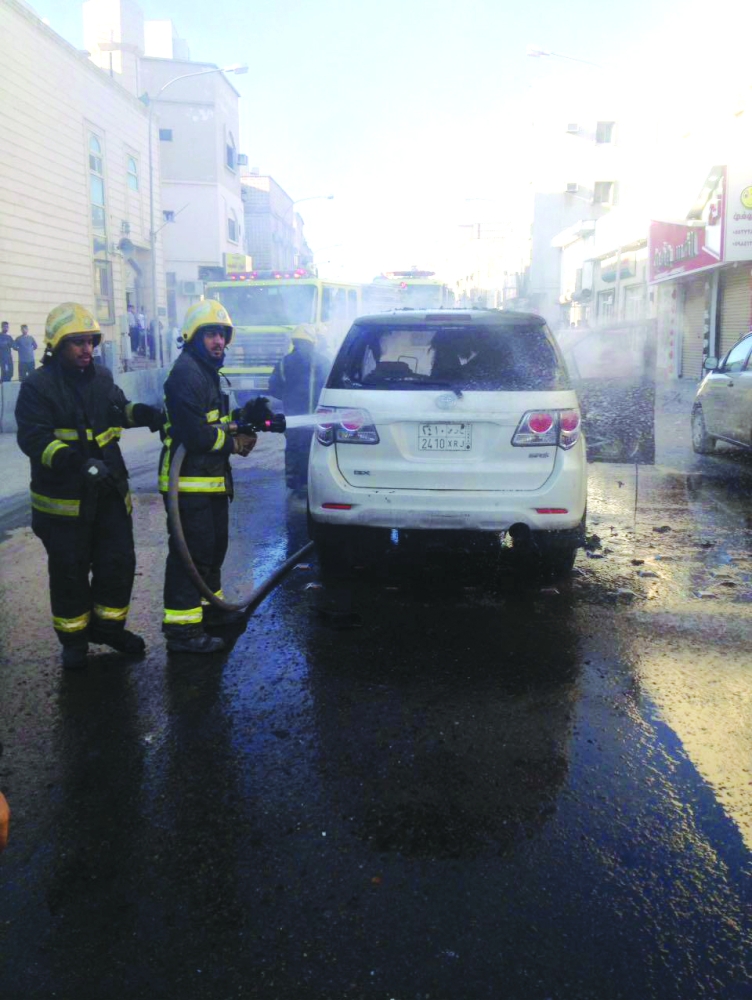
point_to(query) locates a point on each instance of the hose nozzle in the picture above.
(275, 423)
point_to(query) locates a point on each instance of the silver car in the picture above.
(722, 409)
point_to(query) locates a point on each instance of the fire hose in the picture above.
(248, 601)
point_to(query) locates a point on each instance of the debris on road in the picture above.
(663, 529)
(625, 594)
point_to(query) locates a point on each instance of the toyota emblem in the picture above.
(446, 401)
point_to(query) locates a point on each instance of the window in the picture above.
(132, 174)
(165, 135)
(519, 357)
(96, 183)
(103, 291)
(95, 155)
(606, 302)
(604, 132)
(233, 229)
(230, 154)
(737, 356)
(168, 215)
(634, 301)
(604, 192)
(333, 303)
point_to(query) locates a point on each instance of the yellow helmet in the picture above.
(303, 332)
(69, 320)
(208, 312)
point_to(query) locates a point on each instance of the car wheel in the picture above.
(702, 442)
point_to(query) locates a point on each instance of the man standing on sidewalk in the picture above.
(70, 415)
(25, 345)
(6, 354)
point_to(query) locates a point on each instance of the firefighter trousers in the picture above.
(204, 518)
(297, 450)
(91, 561)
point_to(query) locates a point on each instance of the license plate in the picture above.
(444, 437)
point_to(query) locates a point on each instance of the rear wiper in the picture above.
(434, 384)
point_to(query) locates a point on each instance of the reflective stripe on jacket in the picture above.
(197, 417)
(66, 417)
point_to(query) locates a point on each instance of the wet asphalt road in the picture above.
(441, 780)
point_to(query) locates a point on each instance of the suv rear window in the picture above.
(467, 357)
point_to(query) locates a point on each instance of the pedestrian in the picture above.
(70, 414)
(6, 353)
(297, 381)
(25, 345)
(141, 320)
(197, 416)
(133, 328)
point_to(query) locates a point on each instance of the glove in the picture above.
(256, 411)
(96, 472)
(156, 419)
(243, 444)
(148, 416)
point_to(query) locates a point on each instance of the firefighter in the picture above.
(70, 415)
(297, 381)
(197, 416)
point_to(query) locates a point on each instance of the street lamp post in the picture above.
(151, 101)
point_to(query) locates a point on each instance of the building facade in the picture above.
(73, 185)
(273, 229)
(195, 110)
(201, 216)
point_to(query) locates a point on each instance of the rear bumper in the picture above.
(479, 510)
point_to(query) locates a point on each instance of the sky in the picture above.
(411, 112)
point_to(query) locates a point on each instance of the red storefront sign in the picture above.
(675, 249)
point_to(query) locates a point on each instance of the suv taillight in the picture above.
(345, 425)
(548, 427)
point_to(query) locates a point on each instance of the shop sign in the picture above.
(678, 248)
(626, 266)
(738, 241)
(675, 249)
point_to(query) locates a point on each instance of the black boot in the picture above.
(74, 657)
(196, 643)
(120, 639)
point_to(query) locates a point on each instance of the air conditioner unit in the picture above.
(572, 187)
(242, 159)
(193, 289)
(573, 128)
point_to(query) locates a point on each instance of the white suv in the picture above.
(453, 421)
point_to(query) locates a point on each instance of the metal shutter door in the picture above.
(735, 308)
(693, 330)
